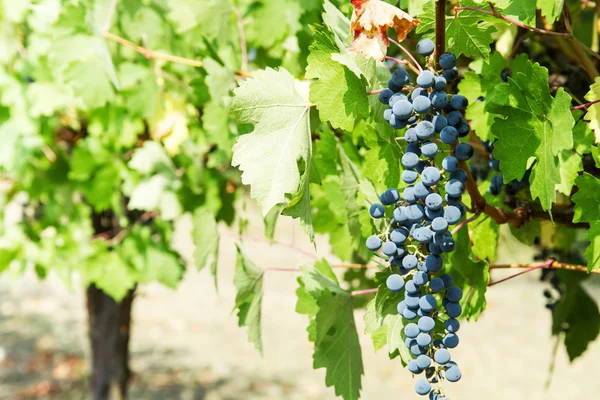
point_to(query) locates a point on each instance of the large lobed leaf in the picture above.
(332, 329)
(535, 126)
(269, 155)
(338, 92)
(578, 312)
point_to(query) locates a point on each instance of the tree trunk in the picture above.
(109, 327)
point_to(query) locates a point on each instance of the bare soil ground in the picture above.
(186, 343)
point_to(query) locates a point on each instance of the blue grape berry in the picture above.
(385, 95)
(450, 74)
(425, 130)
(442, 356)
(422, 104)
(429, 149)
(450, 340)
(373, 243)
(439, 99)
(425, 47)
(389, 248)
(464, 151)
(459, 102)
(426, 79)
(449, 135)
(402, 109)
(447, 60)
(422, 387)
(413, 367)
(454, 294)
(440, 83)
(377, 211)
(452, 325)
(400, 77)
(453, 374)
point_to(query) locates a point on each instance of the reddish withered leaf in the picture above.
(370, 21)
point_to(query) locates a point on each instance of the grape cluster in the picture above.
(416, 229)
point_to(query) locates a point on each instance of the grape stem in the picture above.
(465, 222)
(585, 105)
(416, 63)
(243, 46)
(553, 265)
(363, 292)
(151, 53)
(403, 62)
(440, 30)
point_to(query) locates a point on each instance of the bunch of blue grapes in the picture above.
(416, 220)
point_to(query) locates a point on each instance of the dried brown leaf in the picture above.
(369, 24)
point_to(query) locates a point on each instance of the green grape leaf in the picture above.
(139, 89)
(578, 312)
(520, 10)
(468, 32)
(470, 275)
(215, 122)
(382, 317)
(109, 272)
(213, 18)
(330, 216)
(349, 183)
(551, 9)
(339, 94)
(270, 221)
(300, 206)
(477, 84)
(325, 154)
(593, 111)
(220, 81)
(248, 280)
(79, 61)
(162, 266)
(534, 127)
(151, 157)
(206, 240)
(587, 201)
(45, 98)
(273, 21)
(381, 160)
(269, 155)
(337, 348)
(592, 253)
(485, 235)
(583, 136)
(570, 167)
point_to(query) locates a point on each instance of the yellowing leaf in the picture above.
(369, 24)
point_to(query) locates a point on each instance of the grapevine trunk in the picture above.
(109, 327)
